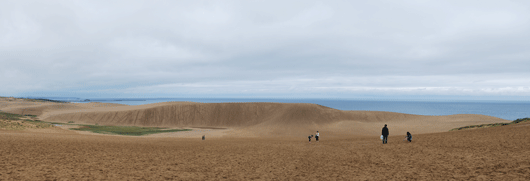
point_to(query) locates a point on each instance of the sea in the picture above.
(509, 110)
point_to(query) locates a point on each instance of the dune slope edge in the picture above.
(271, 119)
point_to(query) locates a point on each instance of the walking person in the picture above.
(316, 136)
(309, 137)
(385, 134)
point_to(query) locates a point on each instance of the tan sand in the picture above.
(497, 153)
(25, 106)
(259, 141)
(244, 119)
(265, 119)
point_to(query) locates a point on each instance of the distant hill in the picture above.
(294, 119)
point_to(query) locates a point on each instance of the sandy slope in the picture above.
(24, 106)
(263, 141)
(498, 153)
(267, 119)
(246, 119)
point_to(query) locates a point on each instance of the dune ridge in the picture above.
(349, 148)
(258, 119)
(245, 119)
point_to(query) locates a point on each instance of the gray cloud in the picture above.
(264, 48)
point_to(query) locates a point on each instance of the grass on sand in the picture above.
(125, 130)
(492, 125)
(11, 121)
(9, 116)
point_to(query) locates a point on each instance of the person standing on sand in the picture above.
(316, 136)
(385, 134)
(310, 138)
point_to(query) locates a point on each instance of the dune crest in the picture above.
(267, 119)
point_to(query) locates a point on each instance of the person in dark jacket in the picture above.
(385, 134)
(409, 137)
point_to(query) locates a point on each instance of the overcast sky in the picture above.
(313, 49)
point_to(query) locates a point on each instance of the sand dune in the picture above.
(245, 119)
(497, 153)
(349, 149)
(265, 119)
(40, 108)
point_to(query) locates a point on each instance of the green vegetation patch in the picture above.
(125, 130)
(45, 100)
(521, 120)
(9, 116)
(17, 124)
